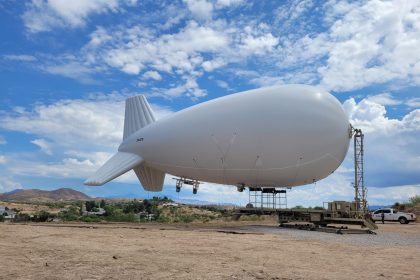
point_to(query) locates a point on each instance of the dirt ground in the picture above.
(198, 251)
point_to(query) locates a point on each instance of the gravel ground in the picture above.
(204, 251)
(381, 239)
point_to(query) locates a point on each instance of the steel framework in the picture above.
(263, 197)
(360, 191)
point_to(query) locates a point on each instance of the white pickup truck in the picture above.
(393, 215)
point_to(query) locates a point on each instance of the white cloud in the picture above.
(365, 43)
(227, 3)
(210, 65)
(7, 184)
(190, 88)
(291, 12)
(152, 75)
(373, 43)
(42, 15)
(67, 168)
(82, 133)
(185, 53)
(2, 140)
(389, 195)
(20, 57)
(200, 9)
(413, 102)
(223, 84)
(168, 52)
(98, 37)
(392, 149)
(86, 124)
(44, 145)
(73, 70)
(384, 99)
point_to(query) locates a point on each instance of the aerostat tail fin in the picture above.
(119, 164)
(150, 178)
(138, 114)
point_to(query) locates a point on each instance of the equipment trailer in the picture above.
(309, 219)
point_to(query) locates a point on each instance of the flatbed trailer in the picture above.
(320, 220)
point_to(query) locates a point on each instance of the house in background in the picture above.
(7, 213)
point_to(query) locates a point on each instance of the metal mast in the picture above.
(360, 191)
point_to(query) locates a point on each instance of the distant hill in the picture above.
(33, 195)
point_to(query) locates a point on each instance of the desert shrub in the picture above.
(163, 219)
(109, 210)
(122, 217)
(172, 209)
(22, 217)
(90, 219)
(251, 218)
(184, 219)
(1, 218)
(69, 216)
(42, 216)
(413, 201)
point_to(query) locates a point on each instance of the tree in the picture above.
(102, 204)
(147, 206)
(90, 205)
(41, 216)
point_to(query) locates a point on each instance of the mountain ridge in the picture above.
(32, 195)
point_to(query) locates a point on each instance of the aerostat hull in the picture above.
(280, 136)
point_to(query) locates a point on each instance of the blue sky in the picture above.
(66, 68)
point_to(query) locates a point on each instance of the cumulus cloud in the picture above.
(189, 88)
(84, 123)
(41, 15)
(183, 54)
(201, 9)
(152, 75)
(83, 133)
(392, 149)
(373, 43)
(360, 44)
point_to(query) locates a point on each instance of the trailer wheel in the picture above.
(403, 220)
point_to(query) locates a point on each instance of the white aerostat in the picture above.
(280, 136)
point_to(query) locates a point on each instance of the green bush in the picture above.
(184, 219)
(91, 219)
(251, 218)
(22, 217)
(69, 216)
(42, 216)
(122, 217)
